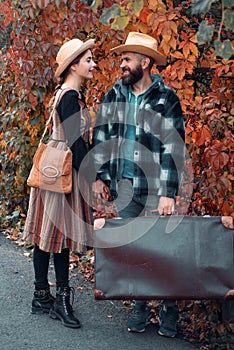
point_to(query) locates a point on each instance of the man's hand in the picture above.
(101, 190)
(166, 206)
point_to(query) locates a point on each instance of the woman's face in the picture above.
(85, 67)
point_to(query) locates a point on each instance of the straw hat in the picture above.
(141, 43)
(69, 51)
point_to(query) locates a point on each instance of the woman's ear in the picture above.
(74, 67)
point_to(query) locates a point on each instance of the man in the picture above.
(139, 150)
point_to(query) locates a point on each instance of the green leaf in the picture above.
(34, 121)
(95, 5)
(137, 7)
(229, 19)
(120, 22)
(228, 3)
(110, 13)
(204, 33)
(14, 215)
(223, 49)
(201, 6)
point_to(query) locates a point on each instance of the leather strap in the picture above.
(57, 99)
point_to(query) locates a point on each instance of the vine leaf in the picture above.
(110, 13)
(202, 135)
(204, 33)
(229, 19)
(223, 49)
(137, 7)
(228, 3)
(120, 22)
(201, 6)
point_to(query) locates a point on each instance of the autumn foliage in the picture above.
(33, 32)
(197, 38)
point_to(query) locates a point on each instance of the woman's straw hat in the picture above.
(143, 44)
(69, 51)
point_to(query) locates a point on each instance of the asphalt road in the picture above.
(103, 322)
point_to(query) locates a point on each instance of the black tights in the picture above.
(41, 265)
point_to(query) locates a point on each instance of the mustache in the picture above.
(126, 70)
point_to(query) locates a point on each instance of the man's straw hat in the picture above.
(143, 44)
(69, 51)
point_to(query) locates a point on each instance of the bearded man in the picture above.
(138, 146)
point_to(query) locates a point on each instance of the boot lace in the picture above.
(66, 295)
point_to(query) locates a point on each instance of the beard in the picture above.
(134, 75)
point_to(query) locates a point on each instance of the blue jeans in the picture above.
(130, 205)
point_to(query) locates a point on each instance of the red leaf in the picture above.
(202, 135)
(145, 12)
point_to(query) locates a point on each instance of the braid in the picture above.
(54, 94)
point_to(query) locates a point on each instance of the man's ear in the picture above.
(145, 62)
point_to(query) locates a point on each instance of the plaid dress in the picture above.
(55, 220)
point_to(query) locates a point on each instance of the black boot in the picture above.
(62, 309)
(42, 301)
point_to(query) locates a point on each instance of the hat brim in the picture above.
(86, 45)
(158, 58)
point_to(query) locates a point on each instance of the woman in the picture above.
(57, 223)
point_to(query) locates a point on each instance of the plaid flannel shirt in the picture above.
(159, 143)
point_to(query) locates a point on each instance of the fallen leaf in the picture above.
(52, 284)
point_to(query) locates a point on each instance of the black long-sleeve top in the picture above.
(69, 112)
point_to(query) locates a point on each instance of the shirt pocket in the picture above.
(152, 118)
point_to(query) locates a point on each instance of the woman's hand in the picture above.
(100, 190)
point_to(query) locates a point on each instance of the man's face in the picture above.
(131, 68)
